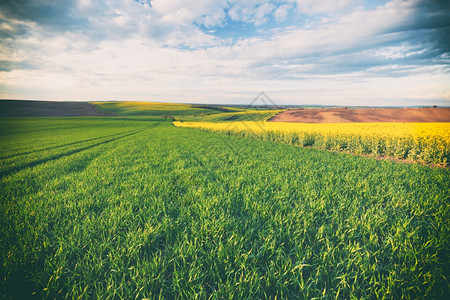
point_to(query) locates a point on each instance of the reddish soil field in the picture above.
(24, 108)
(341, 115)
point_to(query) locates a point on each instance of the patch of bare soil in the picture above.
(342, 115)
(25, 108)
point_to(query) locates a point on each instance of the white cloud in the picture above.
(251, 11)
(314, 7)
(178, 12)
(345, 34)
(282, 12)
(130, 51)
(402, 51)
(84, 4)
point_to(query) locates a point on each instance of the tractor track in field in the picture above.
(63, 145)
(65, 154)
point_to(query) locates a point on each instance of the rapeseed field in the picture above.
(424, 142)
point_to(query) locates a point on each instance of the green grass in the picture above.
(129, 208)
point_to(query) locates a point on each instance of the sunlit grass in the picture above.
(185, 112)
(128, 208)
(128, 108)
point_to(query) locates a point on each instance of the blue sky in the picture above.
(335, 52)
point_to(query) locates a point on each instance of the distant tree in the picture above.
(434, 106)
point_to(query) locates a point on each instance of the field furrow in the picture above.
(176, 212)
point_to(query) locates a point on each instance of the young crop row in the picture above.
(424, 142)
(172, 213)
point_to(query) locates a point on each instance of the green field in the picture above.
(184, 112)
(133, 208)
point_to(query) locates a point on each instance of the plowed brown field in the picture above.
(342, 115)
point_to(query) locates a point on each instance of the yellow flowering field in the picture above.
(425, 142)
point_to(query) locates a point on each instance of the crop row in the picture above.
(178, 213)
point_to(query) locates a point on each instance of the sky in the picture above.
(328, 52)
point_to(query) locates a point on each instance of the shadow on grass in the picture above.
(60, 155)
(64, 145)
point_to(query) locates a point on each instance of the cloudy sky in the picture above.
(348, 52)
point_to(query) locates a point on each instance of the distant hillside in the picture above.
(26, 108)
(157, 109)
